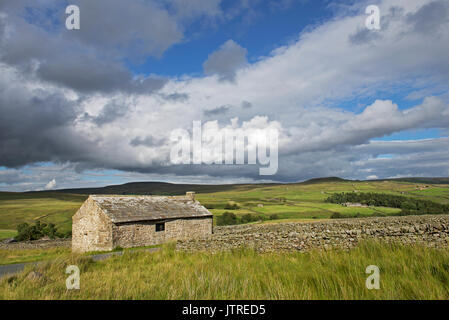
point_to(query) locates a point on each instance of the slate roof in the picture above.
(144, 208)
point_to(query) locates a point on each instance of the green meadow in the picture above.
(4, 234)
(16, 208)
(406, 272)
(305, 201)
(288, 202)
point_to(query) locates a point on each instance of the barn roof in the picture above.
(144, 208)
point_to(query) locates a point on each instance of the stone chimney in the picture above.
(190, 195)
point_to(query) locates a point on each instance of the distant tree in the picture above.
(227, 218)
(247, 218)
(37, 231)
(408, 205)
(336, 215)
(231, 206)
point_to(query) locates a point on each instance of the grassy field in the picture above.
(31, 255)
(4, 234)
(16, 208)
(306, 201)
(292, 202)
(410, 272)
(12, 256)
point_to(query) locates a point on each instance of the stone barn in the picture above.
(105, 222)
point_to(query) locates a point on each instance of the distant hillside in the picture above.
(429, 180)
(157, 188)
(303, 200)
(164, 188)
(441, 180)
(326, 179)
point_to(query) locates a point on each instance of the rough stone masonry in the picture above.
(429, 230)
(105, 222)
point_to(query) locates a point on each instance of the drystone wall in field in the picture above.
(36, 244)
(429, 230)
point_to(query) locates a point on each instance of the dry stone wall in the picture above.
(36, 244)
(430, 230)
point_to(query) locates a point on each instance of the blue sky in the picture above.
(268, 28)
(98, 106)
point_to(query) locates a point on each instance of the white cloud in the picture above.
(299, 88)
(50, 185)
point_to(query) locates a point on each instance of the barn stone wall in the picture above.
(91, 229)
(135, 234)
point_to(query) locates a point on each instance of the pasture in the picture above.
(292, 202)
(406, 272)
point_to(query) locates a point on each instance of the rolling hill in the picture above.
(277, 202)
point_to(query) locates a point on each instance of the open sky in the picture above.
(96, 106)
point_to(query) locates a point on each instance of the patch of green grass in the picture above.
(23, 207)
(5, 234)
(288, 201)
(120, 249)
(11, 256)
(406, 272)
(8, 256)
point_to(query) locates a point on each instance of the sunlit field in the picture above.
(293, 202)
(406, 272)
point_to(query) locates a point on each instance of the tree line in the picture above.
(408, 205)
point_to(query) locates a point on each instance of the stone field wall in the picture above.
(36, 244)
(429, 230)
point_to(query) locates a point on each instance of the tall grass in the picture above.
(11, 256)
(7, 234)
(406, 272)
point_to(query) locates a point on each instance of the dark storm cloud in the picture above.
(92, 75)
(134, 28)
(226, 60)
(363, 35)
(217, 111)
(123, 28)
(246, 105)
(111, 112)
(181, 97)
(430, 17)
(88, 60)
(148, 141)
(124, 131)
(37, 126)
(406, 158)
(11, 177)
(61, 64)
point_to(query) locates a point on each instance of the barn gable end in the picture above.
(91, 228)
